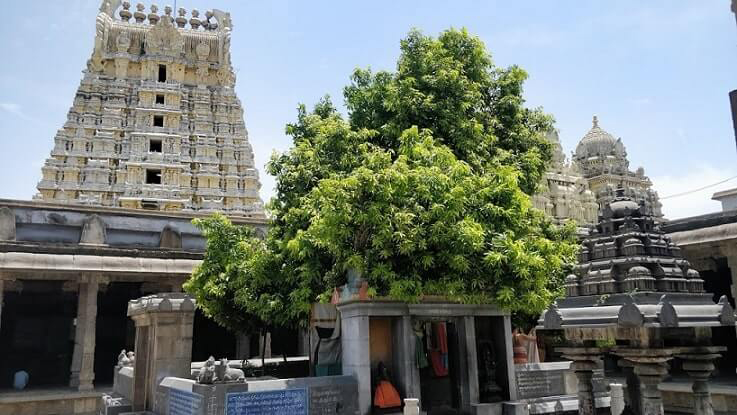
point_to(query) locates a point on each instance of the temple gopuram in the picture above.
(155, 138)
(155, 123)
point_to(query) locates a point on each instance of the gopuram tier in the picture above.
(155, 122)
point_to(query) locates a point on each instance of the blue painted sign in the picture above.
(282, 402)
(184, 403)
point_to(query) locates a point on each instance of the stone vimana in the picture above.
(575, 189)
(155, 123)
(629, 253)
(602, 159)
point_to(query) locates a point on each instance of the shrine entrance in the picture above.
(439, 382)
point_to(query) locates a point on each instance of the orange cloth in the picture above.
(386, 396)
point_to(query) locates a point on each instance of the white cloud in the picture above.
(14, 109)
(696, 177)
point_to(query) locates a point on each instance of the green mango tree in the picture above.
(424, 187)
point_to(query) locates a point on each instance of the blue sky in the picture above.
(656, 73)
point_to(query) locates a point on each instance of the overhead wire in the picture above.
(699, 189)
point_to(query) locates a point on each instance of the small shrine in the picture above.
(635, 300)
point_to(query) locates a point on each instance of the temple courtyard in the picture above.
(429, 248)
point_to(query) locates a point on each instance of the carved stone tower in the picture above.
(155, 123)
(603, 161)
(564, 192)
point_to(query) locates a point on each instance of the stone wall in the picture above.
(316, 395)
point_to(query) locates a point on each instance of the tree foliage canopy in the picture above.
(425, 188)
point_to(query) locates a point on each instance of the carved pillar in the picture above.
(650, 376)
(698, 363)
(584, 363)
(617, 398)
(650, 367)
(83, 359)
(164, 324)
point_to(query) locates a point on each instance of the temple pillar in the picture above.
(699, 366)
(650, 376)
(303, 342)
(83, 358)
(355, 349)
(164, 324)
(6, 283)
(406, 371)
(633, 386)
(264, 350)
(467, 336)
(732, 263)
(585, 361)
(243, 346)
(649, 366)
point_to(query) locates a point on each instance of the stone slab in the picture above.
(316, 395)
(185, 403)
(287, 401)
(540, 380)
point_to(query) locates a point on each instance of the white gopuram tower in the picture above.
(155, 123)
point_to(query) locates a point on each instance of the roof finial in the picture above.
(595, 121)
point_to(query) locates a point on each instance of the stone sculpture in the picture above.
(122, 359)
(217, 372)
(126, 359)
(223, 373)
(207, 372)
(564, 193)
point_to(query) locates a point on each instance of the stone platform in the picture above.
(51, 401)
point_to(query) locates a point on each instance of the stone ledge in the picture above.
(48, 395)
(97, 250)
(35, 204)
(684, 386)
(23, 261)
(391, 308)
(161, 303)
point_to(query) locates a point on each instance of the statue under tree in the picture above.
(424, 189)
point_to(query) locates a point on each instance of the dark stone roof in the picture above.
(701, 221)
